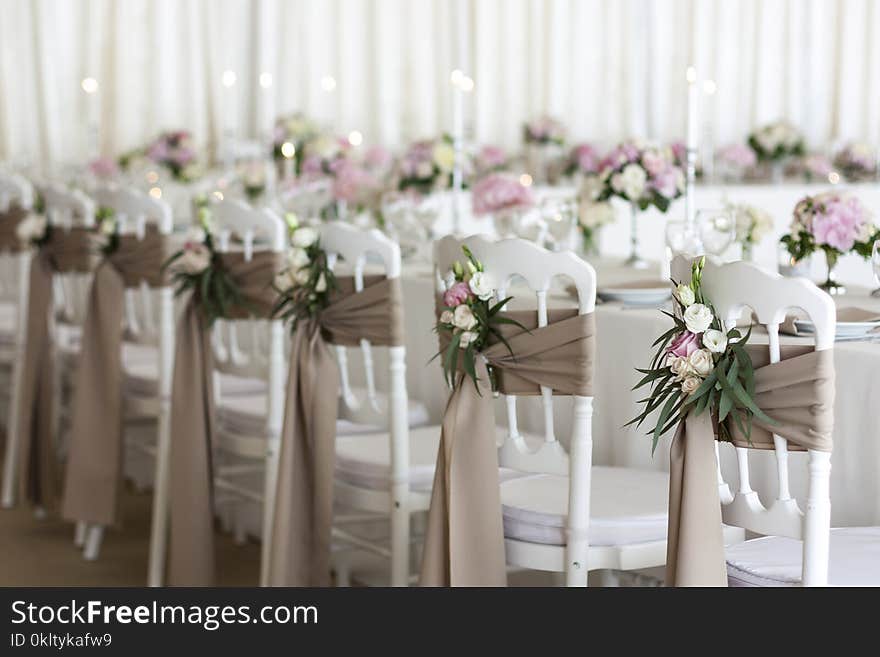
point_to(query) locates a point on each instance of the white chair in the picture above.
(15, 192)
(386, 474)
(794, 549)
(563, 514)
(147, 355)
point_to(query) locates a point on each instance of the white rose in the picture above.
(446, 317)
(194, 260)
(481, 285)
(31, 228)
(463, 317)
(196, 235)
(301, 276)
(685, 294)
(678, 365)
(298, 258)
(690, 385)
(443, 156)
(715, 341)
(304, 237)
(466, 338)
(701, 363)
(108, 226)
(697, 318)
(284, 280)
(633, 179)
(321, 285)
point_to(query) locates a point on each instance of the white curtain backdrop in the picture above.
(608, 68)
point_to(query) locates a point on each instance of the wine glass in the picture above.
(560, 222)
(875, 262)
(717, 230)
(682, 239)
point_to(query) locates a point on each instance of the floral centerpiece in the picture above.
(544, 130)
(735, 160)
(490, 159)
(104, 168)
(304, 286)
(253, 179)
(583, 159)
(752, 226)
(296, 130)
(323, 154)
(644, 175)
(699, 367)
(592, 213)
(505, 198)
(775, 142)
(835, 223)
(815, 167)
(469, 317)
(172, 150)
(856, 161)
(544, 138)
(358, 186)
(427, 166)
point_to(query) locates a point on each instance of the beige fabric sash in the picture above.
(94, 462)
(300, 550)
(464, 542)
(191, 561)
(798, 393)
(9, 221)
(65, 251)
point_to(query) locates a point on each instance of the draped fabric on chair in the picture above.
(66, 251)
(193, 431)
(94, 466)
(464, 541)
(300, 551)
(798, 393)
(9, 220)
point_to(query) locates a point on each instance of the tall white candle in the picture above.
(229, 111)
(461, 84)
(93, 117)
(693, 109)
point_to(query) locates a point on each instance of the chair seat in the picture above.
(627, 506)
(244, 413)
(141, 367)
(854, 559)
(368, 415)
(365, 460)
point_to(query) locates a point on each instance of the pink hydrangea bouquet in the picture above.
(174, 150)
(815, 167)
(737, 156)
(469, 317)
(834, 222)
(583, 159)
(642, 174)
(358, 185)
(324, 155)
(104, 168)
(500, 192)
(427, 166)
(544, 130)
(490, 159)
(698, 367)
(856, 161)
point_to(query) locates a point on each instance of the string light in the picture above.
(328, 83)
(834, 177)
(89, 85)
(525, 180)
(456, 77)
(228, 78)
(155, 192)
(691, 74)
(152, 177)
(355, 138)
(265, 80)
(288, 150)
(709, 87)
(218, 196)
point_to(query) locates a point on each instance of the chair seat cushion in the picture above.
(627, 506)
(365, 460)
(366, 414)
(854, 559)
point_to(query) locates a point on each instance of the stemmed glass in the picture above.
(682, 239)
(717, 230)
(559, 222)
(875, 262)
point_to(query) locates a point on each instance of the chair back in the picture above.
(15, 191)
(733, 288)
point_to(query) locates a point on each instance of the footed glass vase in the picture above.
(831, 286)
(635, 260)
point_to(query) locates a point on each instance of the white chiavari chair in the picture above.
(797, 546)
(15, 191)
(147, 354)
(386, 474)
(563, 514)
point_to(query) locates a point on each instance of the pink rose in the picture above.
(456, 295)
(684, 345)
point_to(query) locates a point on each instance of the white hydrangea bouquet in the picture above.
(752, 225)
(469, 317)
(776, 141)
(699, 367)
(642, 174)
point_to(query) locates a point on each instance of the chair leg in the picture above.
(268, 510)
(400, 519)
(342, 568)
(79, 534)
(10, 463)
(238, 526)
(94, 536)
(161, 483)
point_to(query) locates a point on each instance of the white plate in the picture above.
(650, 293)
(844, 329)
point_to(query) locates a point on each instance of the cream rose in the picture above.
(700, 362)
(443, 156)
(678, 365)
(690, 384)
(301, 276)
(31, 228)
(446, 317)
(304, 237)
(463, 317)
(697, 318)
(481, 285)
(715, 341)
(467, 337)
(297, 258)
(195, 259)
(685, 294)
